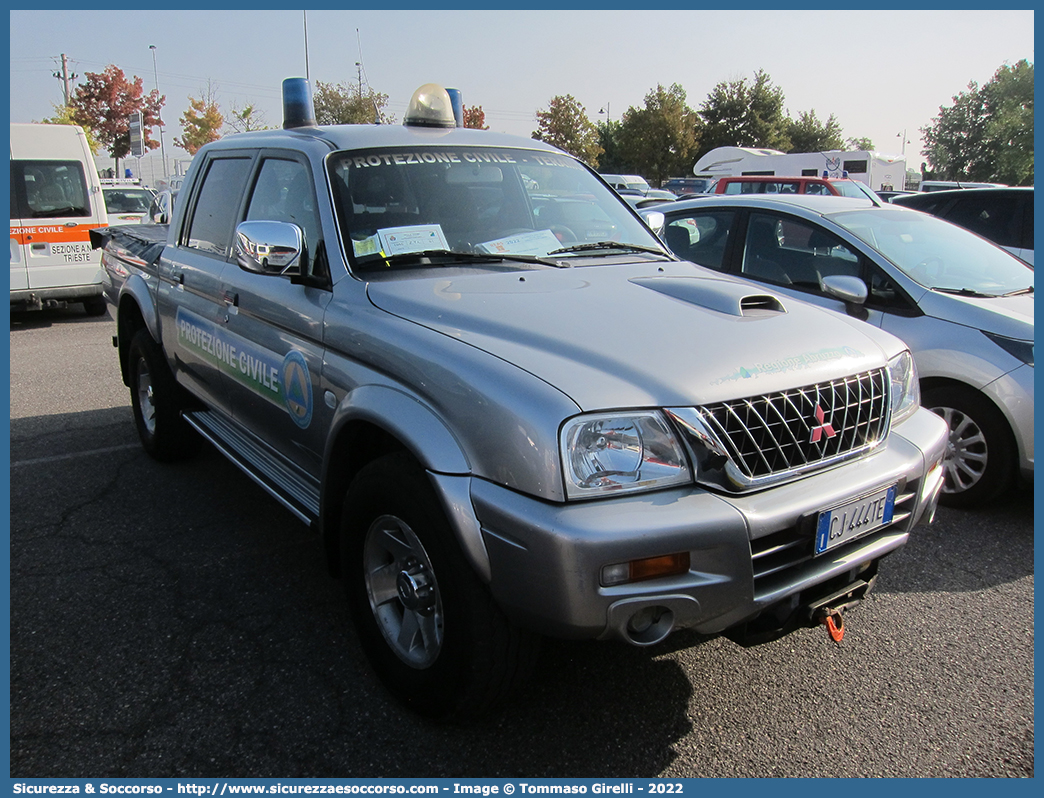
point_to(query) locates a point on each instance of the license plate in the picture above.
(855, 519)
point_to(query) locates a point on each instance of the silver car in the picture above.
(963, 305)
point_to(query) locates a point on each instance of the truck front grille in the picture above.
(797, 429)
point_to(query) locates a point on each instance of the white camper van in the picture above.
(55, 201)
(879, 171)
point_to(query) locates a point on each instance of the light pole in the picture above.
(605, 111)
(905, 142)
(159, 112)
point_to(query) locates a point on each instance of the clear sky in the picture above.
(880, 72)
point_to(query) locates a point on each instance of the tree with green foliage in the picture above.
(105, 104)
(201, 123)
(344, 104)
(65, 115)
(613, 159)
(246, 119)
(863, 143)
(742, 113)
(565, 125)
(987, 134)
(661, 139)
(808, 134)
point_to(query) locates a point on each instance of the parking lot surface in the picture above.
(174, 621)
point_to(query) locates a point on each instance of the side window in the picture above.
(217, 206)
(883, 294)
(1027, 222)
(992, 217)
(819, 189)
(789, 251)
(283, 193)
(701, 238)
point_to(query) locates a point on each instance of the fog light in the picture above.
(644, 569)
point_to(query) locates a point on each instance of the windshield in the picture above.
(127, 200)
(937, 254)
(492, 203)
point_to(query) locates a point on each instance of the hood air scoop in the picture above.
(723, 296)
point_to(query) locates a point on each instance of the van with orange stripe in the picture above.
(55, 202)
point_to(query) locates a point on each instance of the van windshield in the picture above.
(49, 189)
(396, 205)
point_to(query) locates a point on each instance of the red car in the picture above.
(776, 184)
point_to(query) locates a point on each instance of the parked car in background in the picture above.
(55, 203)
(633, 184)
(1003, 215)
(950, 185)
(162, 207)
(127, 203)
(688, 185)
(772, 184)
(888, 196)
(963, 305)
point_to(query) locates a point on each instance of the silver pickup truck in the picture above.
(506, 408)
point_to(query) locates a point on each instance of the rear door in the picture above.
(193, 314)
(52, 213)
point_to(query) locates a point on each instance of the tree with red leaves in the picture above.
(105, 103)
(475, 117)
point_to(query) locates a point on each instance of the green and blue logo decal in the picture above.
(283, 381)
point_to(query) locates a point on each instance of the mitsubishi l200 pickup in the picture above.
(506, 408)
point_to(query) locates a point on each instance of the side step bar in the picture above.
(291, 487)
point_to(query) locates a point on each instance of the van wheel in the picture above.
(980, 454)
(428, 625)
(95, 306)
(157, 402)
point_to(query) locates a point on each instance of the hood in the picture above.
(1010, 316)
(640, 335)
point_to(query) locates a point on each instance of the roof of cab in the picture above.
(353, 137)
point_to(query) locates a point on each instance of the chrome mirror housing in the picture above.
(269, 247)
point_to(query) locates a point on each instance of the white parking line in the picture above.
(55, 458)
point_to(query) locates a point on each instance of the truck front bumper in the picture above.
(750, 555)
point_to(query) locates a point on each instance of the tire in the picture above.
(95, 306)
(427, 624)
(980, 455)
(157, 402)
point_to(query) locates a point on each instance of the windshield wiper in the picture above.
(450, 255)
(608, 245)
(963, 292)
(1019, 291)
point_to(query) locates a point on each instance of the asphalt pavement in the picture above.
(174, 621)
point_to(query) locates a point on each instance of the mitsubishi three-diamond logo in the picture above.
(821, 428)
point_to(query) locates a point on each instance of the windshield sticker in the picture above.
(538, 243)
(283, 381)
(415, 238)
(370, 245)
(462, 157)
(797, 362)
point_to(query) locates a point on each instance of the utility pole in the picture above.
(159, 113)
(308, 76)
(65, 77)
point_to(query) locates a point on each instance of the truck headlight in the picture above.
(906, 391)
(621, 453)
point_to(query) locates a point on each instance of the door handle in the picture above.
(231, 304)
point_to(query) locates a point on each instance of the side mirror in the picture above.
(655, 220)
(270, 248)
(850, 290)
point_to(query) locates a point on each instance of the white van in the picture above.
(55, 201)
